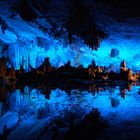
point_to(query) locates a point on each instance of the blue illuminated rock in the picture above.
(30, 42)
(114, 52)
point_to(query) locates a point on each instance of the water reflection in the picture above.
(29, 109)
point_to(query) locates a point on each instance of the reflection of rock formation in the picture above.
(62, 111)
(114, 102)
(3, 93)
(90, 127)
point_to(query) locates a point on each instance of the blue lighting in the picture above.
(30, 102)
(27, 45)
(59, 54)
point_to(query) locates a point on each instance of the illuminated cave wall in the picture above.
(32, 53)
(128, 51)
(25, 43)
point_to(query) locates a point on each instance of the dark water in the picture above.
(30, 113)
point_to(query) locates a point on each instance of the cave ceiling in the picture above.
(107, 31)
(91, 20)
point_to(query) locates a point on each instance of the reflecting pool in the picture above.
(31, 113)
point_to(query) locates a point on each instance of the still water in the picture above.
(27, 111)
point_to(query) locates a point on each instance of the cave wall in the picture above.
(28, 39)
(60, 51)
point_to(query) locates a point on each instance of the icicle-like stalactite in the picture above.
(29, 40)
(31, 54)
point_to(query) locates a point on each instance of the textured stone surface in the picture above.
(65, 30)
